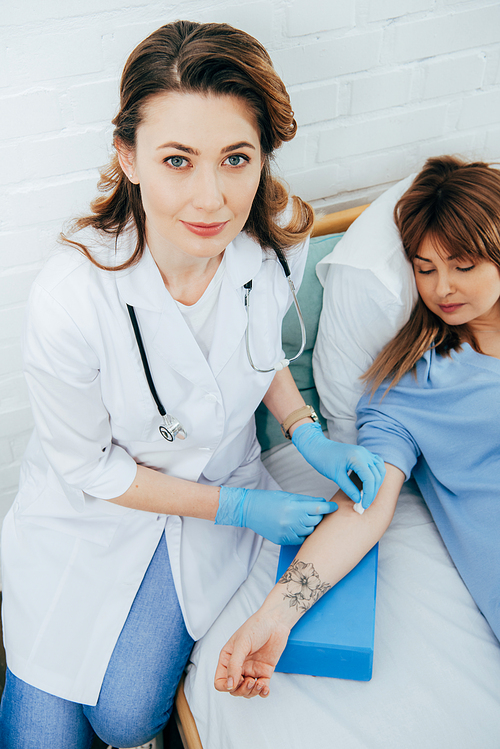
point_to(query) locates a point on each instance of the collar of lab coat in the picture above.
(142, 287)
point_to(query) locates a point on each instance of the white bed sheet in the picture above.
(436, 673)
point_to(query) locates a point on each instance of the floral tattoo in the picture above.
(303, 585)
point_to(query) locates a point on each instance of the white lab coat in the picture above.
(72, 562)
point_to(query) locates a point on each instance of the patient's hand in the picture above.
(247, 661)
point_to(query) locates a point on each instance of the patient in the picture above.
(432, 409)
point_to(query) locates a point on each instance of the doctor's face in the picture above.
(198, 161)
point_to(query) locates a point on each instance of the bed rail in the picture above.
(335, 223)
(185, 722)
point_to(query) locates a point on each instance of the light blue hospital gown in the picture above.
(445, 427)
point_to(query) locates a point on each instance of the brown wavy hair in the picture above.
(457, 205)
(207, 58)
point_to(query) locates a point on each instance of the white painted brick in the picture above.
(316, 183)
(49, 202)
(11, 324)
(13, 392)
(5, 74)
(492, 145)
(10, 358)
(345, 96)
(19, 247)
(316, 103)
(448, 33)
(292, 155)
(495, 62)
(63, 154)
(96, 101)
(492, 73)
(118, 44)
(54, 56)
(257, 19)
(6, 453)
(448, 76)
(380, 10)
(328, 59)
(455, 144)
(34, 11)
(10, 170)
(480, 109)
(381, 91)
(382, 168)
(14, 287)
(29, 113)
(310, 16)
(15, 421)
(384, 132)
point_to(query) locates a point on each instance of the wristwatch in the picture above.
(301, 413)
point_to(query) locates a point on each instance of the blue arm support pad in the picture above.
(335, 636)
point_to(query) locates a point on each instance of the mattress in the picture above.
(436, 670)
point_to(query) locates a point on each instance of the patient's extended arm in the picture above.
(340, 541)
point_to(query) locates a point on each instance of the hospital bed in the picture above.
(436, 671)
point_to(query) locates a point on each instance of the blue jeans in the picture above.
(139, 686)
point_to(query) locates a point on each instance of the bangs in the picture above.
(459, 248)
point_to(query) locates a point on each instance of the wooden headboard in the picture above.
(334, 223)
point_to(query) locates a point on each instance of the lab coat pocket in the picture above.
(55, 508)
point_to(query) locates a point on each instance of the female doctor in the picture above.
(151, 337)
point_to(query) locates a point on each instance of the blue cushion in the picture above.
(335, 637)
(310, 298)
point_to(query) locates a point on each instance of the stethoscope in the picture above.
(248, 288)
(171, 427)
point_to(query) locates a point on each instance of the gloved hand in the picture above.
(335, 459)
(281, 517)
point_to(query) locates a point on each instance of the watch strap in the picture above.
(300, 413)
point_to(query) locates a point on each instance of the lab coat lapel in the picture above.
(142, 287)
(176, 345)
(243, 261)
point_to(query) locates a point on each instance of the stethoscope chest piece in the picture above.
(172, 428)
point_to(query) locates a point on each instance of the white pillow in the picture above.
(369, 293)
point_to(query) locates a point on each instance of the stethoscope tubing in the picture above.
(284, 362)
(171, 427)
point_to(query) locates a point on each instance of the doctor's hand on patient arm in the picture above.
(335, 459)
(281, 517)
(247, 661)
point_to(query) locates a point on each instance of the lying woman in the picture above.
(432, 409)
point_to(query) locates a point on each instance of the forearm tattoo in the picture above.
(303, 586)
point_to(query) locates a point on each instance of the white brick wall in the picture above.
(377, 87)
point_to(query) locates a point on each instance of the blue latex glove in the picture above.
(279, 516)
(335, 459)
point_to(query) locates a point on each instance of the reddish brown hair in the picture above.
(457, 205)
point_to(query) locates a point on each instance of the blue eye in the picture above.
(176, 161)
(236, 159)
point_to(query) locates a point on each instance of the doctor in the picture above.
(146, 356)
